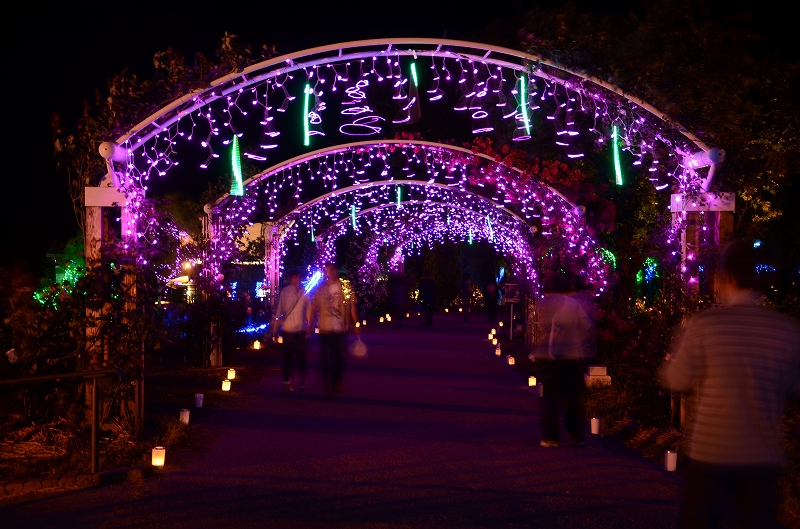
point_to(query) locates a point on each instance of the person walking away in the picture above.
(742, 361)
(566, 331)
(465, 288)
(291, 318)
(491, 301)
(399, 297)
(335, 314)
(427, 295)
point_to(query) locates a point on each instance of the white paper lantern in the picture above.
(531, 381)
(159, 455)
(510, 360)
(364, 322)
(498, 352)
(494, 341)
(231, 374)
(494, 331)
(670, 461)
(595, 426)
(256, 345)
(381, 320)
(185, 416)
(500, 323)
(490, 336)
(280, 339)
(226, 385)
(198, 400)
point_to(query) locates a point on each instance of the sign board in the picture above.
(510, 293)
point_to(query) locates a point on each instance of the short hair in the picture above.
(738, 260)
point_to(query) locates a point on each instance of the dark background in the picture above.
(55, 56)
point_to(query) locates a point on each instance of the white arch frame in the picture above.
(354, 50)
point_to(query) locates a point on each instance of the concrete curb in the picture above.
(71, 480)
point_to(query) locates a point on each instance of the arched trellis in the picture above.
(402, 226)
(483, 79)
(368, 168)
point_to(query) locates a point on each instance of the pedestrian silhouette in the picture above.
(741, 361)
(427, 295)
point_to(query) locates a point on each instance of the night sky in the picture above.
(54, 56)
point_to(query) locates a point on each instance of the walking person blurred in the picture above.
(335, 314)
(291, 317)
(399, 297)
(465, 289)
(560, 361)
(742, 361)
(427, 295)
(490, 298)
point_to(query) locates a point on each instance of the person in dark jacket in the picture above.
(427, 295)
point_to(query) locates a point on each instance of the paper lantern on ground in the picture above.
(408, 314)
(500, 323)
(447, 310)
(460, 309)
(498, 352)
(198, 400)
(316, 331)
(185, 416)
(494, 341)
(595, 426)
(670, 460)
(364, 322)
(510, 360)
(531, 381)
(226, 385)
(494, 331)
(231, 374)
(159, 455)
(388, 318)
(381, 320)
(280, 339)
(256, 345)
(490, 336)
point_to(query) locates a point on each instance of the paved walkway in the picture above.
(431, 431)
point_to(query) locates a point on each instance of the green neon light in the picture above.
(470, 235)
(524, 100)
(237, 189)
(399, 195)
(609, 257)
(312, 233)
(306, 140)
(414, 73)
(489, 224)
(353, 216)
(615, 146)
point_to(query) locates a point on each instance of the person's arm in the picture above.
(277, 316)
(679, 369)
(310, 312)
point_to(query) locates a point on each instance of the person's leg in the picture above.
(428, 308)
(575, 420)
(286, 364)
(701, 497)
(302, 366)
(327, 340)
(338, 351)
(754, 496)
(548, 402)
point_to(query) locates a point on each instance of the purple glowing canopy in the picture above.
(407, 193)
(281, 108)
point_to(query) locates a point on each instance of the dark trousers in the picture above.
(294, 345)
(744, 495)
(428, 308)
(491, 308)
(563, 383)
(333, 348)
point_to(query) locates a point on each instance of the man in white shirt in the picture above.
(336, 314)
(291, 317)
